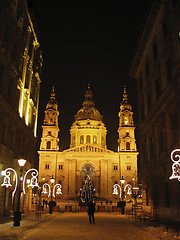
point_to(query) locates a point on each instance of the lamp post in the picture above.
(17, 212)
(122, 180)
(52, 180)
(135, 191)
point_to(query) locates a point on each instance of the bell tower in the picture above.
(50, 129)
(126, 128)
(127, 143)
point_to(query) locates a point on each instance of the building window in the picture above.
(4, 134)
(168, 70)
(102, 141)
(151, 148)
(174, 127)
(115, 167)
(88, 139)
(147, 69)
(128, 167)
(81, 139)
(155, 51)
(144, 155)
(147, 197)
(48, 146)
(161, 140)
(94, 139)
(149, 102)
(60, 167)
(10, 89)
(158, 88)
(164, 27)
(73, 140)
(167, 194)
(46, 166)
(128, 146)
(142, 112)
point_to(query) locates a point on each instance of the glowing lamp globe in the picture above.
(21, 162)
(52, 180)
(28, 181)
(122, 180)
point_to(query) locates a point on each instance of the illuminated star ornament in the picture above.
(175, 157)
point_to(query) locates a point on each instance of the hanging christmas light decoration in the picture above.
(33, 181)
(129, 189)
(44, 191)
(115, 190)
(7, 180)
(175, 157)
(57, 187)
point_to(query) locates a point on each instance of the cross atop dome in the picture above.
(125, 99)
(52, 97)
(88, 102)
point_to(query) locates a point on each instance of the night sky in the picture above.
(81, 47)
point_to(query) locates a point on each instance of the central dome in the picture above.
(88, 111)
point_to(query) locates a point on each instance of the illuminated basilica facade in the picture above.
(88, 153)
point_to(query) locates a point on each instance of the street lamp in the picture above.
(17, 186)
(17, 212)
(21, 162)
(135, 192)
(52, 180)
(122, 180)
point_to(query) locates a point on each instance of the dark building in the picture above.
(20, 67)
(156, 67)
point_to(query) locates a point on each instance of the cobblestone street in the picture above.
(76, 226)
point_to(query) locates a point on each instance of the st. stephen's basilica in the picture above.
(88, 154)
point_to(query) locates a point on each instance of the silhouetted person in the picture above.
(91, 210)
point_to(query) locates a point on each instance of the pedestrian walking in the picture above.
(91, 210)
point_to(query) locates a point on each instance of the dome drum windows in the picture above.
(103, 141)
(94, 139)
(81, 139)
(88, 139)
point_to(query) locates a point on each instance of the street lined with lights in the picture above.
(87, 193)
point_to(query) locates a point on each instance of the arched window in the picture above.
(102, 141)
(88, 139)
(94, 139)
(128, 146)
(73, 139)
(48, 146)
(81, 139)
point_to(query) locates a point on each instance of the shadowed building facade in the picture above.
(88, 153)
(20, 68)
(156, 67)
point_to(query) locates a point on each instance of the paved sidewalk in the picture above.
(76, 226)
(160, 232)
(28, 221)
